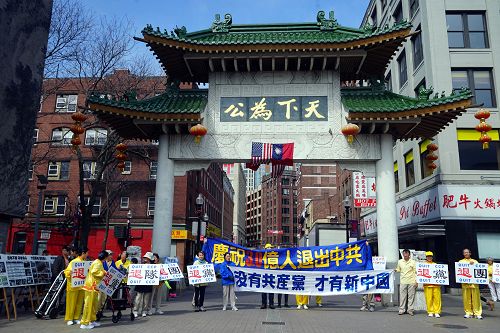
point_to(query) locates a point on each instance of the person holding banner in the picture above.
(157, 294)
(74, 296)
(408, 283)
(432, 292)
(199, 289)
(494, 287)
(94, 277)
(470, 292)
(122, 264)
(227, 283)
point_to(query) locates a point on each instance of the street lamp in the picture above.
(42, 185)
(347, 205)
(129, 217)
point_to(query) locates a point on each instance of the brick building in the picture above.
(279, 209)
(254, 217)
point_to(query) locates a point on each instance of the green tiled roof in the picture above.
(368, 99)
(302, 33)
(171, 102)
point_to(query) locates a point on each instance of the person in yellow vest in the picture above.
(122, 264)
(470, 292)
(432, 292)
(74, 296)
(302, 301)
(94, 277)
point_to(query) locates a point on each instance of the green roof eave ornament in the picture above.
(222, 26)
(326, 24)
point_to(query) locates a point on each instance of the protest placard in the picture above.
(170, 272)
(40, 269)
(313, 282)
(79, 272)
(474, 274)
(111, 281)
(143, 274)
(18, 269)
(379, 263)
(201, 274)
(496, 272)
(432, 274)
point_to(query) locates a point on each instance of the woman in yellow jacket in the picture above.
(432, 292)
(74, 296)
(470, 292)
(94, 277)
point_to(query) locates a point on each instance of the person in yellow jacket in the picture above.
(432, 292)
(74, 296)
(470, 292)
(94, 277)
(122, 264)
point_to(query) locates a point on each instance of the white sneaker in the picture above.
(363, 308)
(430, 315)
(135, 314)
(299, 307)
(479, 317)
(150, 313)
(144, 314)
(77, 322)
(467, 316)
(202, 309)
(223, 308)
(437, 315)
(69, 322)
(320, 305)
(306, 307)
(87, 327)
(159, 312)
(95, 323)
(234, 308)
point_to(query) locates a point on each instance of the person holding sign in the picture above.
(432, 292)
(470, 292)
(199, 289)
(408, 283)
(227, 283)
(74, 295)
(157, 294)
(122, 264)
(94, 277)
(494, 286)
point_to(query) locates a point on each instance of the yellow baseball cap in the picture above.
(268, 246)
(429, 254)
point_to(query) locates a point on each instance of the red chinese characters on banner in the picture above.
(424, 272)
(136, 273)
(473, 203)
(363, 190)
(194, 274)
(107, 279)
(464, 271)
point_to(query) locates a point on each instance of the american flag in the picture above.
(261, 152)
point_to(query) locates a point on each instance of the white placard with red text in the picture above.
(201, 274)
(111, 281)
(473, 274)
(432, 274)
(379, 263)
(143, 274)
(363, 190)
(496, 273)
(79, 272)
(170, 271)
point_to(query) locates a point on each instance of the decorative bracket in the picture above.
(326, 24)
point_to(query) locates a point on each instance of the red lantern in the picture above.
(78, 117)
(431, 157)
(198, 131)
(121, 156)
(121, 165)
(432, 166)
(121, 147)
(76, 141)
(350, 130)
(482, 114)
(77, 129)
(483, 127)
(432, 146)
(485, 139)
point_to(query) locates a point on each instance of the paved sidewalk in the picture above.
(339, 314)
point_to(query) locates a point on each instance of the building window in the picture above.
(418, 53)
(285, 201)
(96, 136)
(89, 169)
(414, 5)
(286, 229)
(409, 168)
(487, 245)
(58, 170)
(398, 14)
(403, 75)
(467, 30)
(55, 205)
(419, 86)
(124, 202)
(424, 169)
(66, 103)
(388, 82)
(285, 181)
(472, 157)
(151, 206)
(153, 168)
(479, 81)
(396, 177)
(96, 209)
(35, 136)
(285, 220)
(61, 136)
(285, 210)
(285, 191)
(127, 170)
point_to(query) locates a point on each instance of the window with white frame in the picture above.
(58, 170)
(66, 103)
(96, 136)
(127, 170)
(61, 136)
(89, 168)
(35, 136)
(96, 208)
(30, 171)
(55, 205)
(124, 201)
(49, 205)
(403, 75)
(151, 206)
(153, 168)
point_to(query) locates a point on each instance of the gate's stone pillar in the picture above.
(164, 200)
(387, 229)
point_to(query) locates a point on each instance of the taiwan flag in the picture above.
(282, 153)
